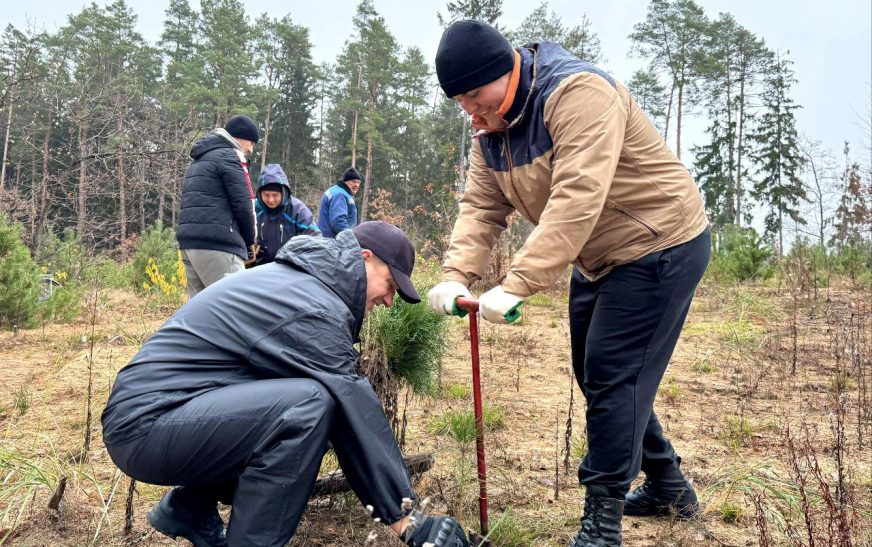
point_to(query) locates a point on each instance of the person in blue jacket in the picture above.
(280, 216)
(338, 211)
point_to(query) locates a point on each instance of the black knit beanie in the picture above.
(351, 174)
(242, 127)
(470, 55)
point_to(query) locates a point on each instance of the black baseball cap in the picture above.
(391, 245)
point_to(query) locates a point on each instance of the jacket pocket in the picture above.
(647, 225)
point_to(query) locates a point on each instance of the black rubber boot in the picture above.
(434, 531)
(202, 526)
(665, 494)
(601, 523)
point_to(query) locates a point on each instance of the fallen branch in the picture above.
(334, 482)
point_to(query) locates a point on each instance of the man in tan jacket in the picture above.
(565, 145)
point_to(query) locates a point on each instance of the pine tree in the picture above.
(544, 25)
(180, 43)
(732, 64)
(488, 11)
(854, 215)
(226, 52)
(671, 37)
(288, 73)
(778, 158)
(649, 94)
(713, 173)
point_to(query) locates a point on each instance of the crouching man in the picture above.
(235, 398)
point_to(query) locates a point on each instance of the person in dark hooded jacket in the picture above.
(235, 398)
(280, 216)
(216, 230)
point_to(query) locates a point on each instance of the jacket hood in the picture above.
(335, 262)
(273, 173)
(217, 138)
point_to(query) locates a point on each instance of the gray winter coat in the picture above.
(295, 318)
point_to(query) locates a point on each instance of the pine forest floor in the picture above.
(768, 399)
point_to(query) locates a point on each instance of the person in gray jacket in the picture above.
(235, 398)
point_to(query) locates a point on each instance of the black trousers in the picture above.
(260, 444)
(624, 328)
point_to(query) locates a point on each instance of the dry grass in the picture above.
(752, 417)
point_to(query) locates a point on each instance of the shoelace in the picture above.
(592, 509)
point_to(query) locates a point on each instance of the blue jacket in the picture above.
(298, 317)
(276, 226)
(338, 211)
(217, 212)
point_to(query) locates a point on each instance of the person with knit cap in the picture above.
(217, 230)
(280, 216)
(338, 211)
(564, 144)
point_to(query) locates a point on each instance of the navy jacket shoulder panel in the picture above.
(543, 67)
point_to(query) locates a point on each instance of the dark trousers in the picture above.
(624, 328)
(259, 443)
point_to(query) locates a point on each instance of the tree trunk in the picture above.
(678, 121)
(286, 143)
(83, 181)
(43, 191)
(780, 234)
(368, 176)
(266, 135)
(142, 223)
(174, 201)
(321, 135)
(33, 186)
(122, 185)
(6, 143)
(669, 113)
(731, 153)
(161, 198)
(354, 125)
(740, 151)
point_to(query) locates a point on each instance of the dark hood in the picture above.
(331, 261)
(273, 174)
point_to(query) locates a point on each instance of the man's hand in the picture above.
(441, 297)
(498, 306)
(435, 531)
(252, 255)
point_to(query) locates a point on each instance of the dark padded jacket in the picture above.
(295, 318)
(217, 210)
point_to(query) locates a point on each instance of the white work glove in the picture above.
(441, 297)
(498, 306)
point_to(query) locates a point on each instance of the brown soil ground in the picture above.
(751, 416)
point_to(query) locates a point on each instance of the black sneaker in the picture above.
(434, 531)
(202, 528)
(665, 494)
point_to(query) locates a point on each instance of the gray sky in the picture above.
(829, 42)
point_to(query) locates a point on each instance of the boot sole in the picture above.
(174, 529)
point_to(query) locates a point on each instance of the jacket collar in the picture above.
(526, 88)
(221, 132)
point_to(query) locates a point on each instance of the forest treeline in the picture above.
(97, 123)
